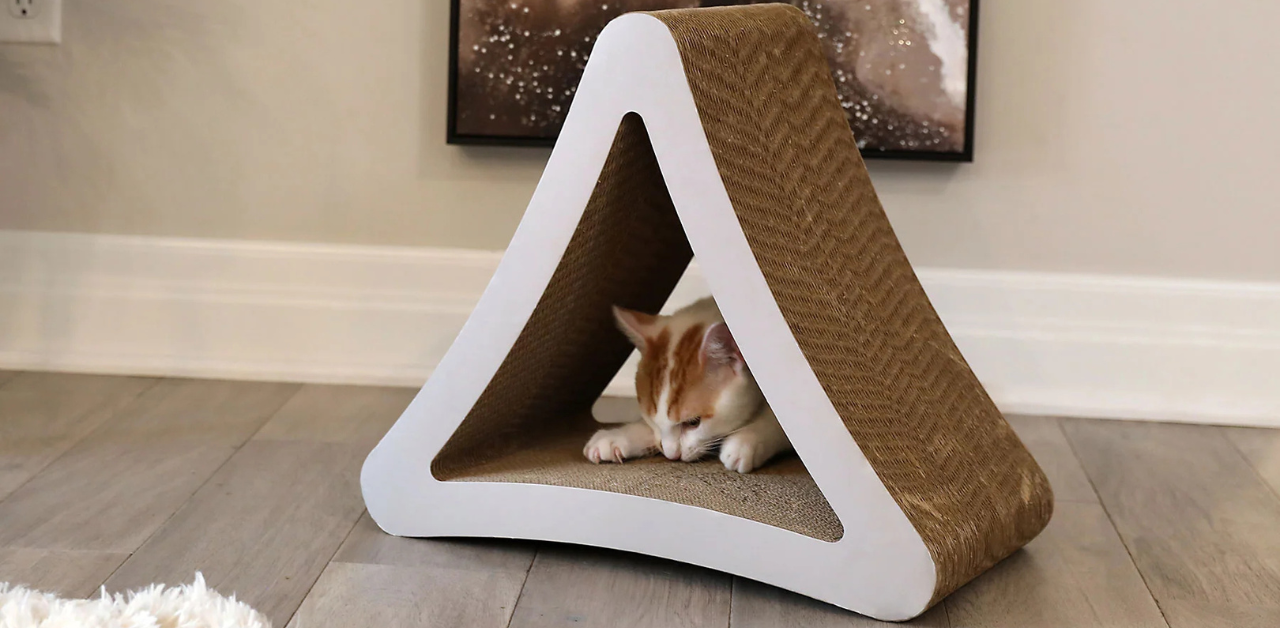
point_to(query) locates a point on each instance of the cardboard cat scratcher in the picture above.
(717, 132)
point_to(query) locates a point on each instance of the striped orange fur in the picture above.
(695, 394)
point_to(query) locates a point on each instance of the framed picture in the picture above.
(904, 69)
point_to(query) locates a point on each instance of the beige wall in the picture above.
(1136, 137)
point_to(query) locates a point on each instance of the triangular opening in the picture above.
(533, 418)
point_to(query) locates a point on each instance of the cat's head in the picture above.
(693, 386)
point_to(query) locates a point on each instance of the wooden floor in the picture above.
(126, 481)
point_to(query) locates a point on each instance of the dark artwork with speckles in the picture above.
(901, 67)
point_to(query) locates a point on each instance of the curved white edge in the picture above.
(880, 567)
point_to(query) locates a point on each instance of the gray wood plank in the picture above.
(354, 594)
(116, 486)
(68, 573)
(1203, 615)
(266, 524)
(1044, 439)
(263, 527)
(1262, 449)
(574, 586)
(757, 605)
(380, 580)
(1198, 521)
(368, 544)
(354, 415)
(44, 414)
(1076, 573)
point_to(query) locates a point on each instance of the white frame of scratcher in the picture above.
(880, 567)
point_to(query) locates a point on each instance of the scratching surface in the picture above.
(780, 494)
(808, 209)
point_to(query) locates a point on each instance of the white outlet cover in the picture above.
(44, 27)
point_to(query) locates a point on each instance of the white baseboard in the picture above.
(1072, 345)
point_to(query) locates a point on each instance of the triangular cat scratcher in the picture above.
(724, 121)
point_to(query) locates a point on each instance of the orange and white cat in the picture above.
(695, 393)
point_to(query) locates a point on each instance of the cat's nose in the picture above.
(671, 449)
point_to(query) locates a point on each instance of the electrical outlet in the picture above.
(31, 21)
(24, 9)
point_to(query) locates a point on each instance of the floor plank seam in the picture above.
(516, 605)
(1071, 444)
(337, 548)
(102, 585)
(235, 452)
(106, 421)
(175, 511)
(733, 586)
(274, 413)
(1275, 492)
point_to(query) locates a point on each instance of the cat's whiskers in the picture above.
(715, 442)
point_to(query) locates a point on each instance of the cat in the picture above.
(695, 393)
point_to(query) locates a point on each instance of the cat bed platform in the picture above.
(780, 494)
(718, 132)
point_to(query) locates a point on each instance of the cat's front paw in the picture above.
(615, 445)
(743, 453)
(602, 448)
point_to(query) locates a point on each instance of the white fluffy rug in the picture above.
(188, 606)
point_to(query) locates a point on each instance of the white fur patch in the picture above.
(187, 606)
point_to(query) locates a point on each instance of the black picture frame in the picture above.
(452, 136)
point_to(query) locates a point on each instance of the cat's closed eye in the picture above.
(694, 422)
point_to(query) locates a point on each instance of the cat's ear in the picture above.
(720, 349)
(638, 326)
